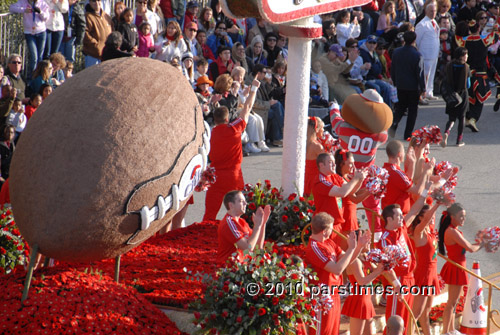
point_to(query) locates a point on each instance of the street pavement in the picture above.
(478, 180)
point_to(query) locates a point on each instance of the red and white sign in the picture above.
(281, 11)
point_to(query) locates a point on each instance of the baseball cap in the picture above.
(192, 4)
(337, 49)
(371, 39)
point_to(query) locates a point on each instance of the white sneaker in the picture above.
(251, 148)
(262, 146)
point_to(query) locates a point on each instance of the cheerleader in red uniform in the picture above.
(313, 149)
(344, 166)
(456, 246)
(358, 306)
(425, 243)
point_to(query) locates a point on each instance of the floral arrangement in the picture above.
(436, 313)
(267, 294)
(14, 250)
(67, 301)
(288, 216)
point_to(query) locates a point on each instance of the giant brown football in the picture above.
(104, 146)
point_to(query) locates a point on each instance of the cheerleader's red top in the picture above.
(451, 274)
(359, 304)
(322, 199)
(310, 176)
(426, 270)
(350, 218)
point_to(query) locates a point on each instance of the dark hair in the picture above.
(34, 95)
(343, 13)
(125, 11)
(341, 156)
(258, 68)
(220, 115)
(114, 40)
(219, 23)
(7, 126)
(462, 29)
(326, 25)
(230, 197)
(42, 88)
(459, 52)
(17, 100)
(409, 37)
(445, 222)
(143, 24)
(388, 211)
(202, 61)
(222, 48)
(418, 218)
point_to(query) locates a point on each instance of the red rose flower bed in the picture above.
(156, 267)
(67, 301)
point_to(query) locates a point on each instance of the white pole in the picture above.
(297, 102)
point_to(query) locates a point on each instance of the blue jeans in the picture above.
(276, 118)
(35, 44)
(68, 49)
(89, 61)
(53, 42)
(383, 88)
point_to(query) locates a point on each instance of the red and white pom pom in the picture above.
(376, 181)
(443, 195)
(329, 143)
(440, 169)
(489, 238)
(431, 134)
(391, 257)
(206, 180)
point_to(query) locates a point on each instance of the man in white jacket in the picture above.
(428, 44)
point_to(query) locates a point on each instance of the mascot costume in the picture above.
(362, 127)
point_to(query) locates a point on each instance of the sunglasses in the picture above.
(271, 39)
(483, 17)
(193, 30)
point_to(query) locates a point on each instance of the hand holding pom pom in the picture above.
(489, 238)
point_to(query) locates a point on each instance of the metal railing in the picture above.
(12, 35)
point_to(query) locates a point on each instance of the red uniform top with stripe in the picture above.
(399, 237)
(397, 188)
(318, 254)
(226, 151)
(362, 145)
(323, 201)
(230, 231)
